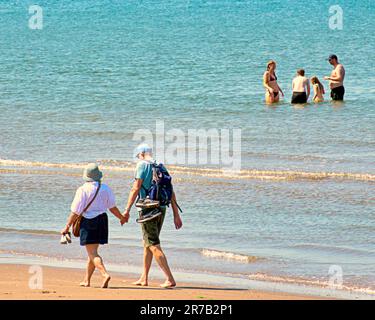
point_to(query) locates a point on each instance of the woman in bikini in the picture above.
(318, 90)
(270, 84)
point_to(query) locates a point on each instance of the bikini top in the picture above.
(273, 78)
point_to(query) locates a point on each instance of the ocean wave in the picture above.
(30, 231)
(247, 174)
(228, 256)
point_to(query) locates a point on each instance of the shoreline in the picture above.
(267, 284)
(256, 289)
(62, 284)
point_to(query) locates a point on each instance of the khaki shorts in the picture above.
(151, 230)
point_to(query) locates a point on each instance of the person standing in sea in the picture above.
(151, 228)
(319, 90)
(301, 88)
(270, 84)
(336, 79)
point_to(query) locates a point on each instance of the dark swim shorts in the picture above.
(337, 94)
(299, 97)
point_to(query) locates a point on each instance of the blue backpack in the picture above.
(161, 186)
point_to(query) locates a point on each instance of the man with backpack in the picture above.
(153, 192)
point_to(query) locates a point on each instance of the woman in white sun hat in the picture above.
(92, 200)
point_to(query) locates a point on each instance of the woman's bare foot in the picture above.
(107, 278)
(141, 282)
(84, 284)
(168, 284)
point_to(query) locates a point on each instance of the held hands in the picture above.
(124, 219)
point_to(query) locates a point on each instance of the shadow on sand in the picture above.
(177, 288)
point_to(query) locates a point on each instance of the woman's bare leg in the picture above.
(90, 268)
(147, 260)
(270, 98)
(92, 251)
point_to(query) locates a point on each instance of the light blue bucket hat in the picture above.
(92, 173)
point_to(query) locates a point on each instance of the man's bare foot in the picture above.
(107, 278)
(168, 284)
(141, 282)
(84, 284)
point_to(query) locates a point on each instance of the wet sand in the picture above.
(62, 283)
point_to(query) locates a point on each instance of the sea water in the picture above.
(300, 211)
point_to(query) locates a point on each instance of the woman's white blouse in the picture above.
(104, 200)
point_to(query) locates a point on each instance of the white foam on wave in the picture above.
(246, 174)
(38, 164)
(228, 256)
(29, 231)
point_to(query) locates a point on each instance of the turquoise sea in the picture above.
(77, 90)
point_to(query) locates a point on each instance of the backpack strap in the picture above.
(142, 187)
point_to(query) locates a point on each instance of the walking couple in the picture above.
(93, 199)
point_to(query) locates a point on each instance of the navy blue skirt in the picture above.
(94, 231)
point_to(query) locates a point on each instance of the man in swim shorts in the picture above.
(301, 88)
(336, 79)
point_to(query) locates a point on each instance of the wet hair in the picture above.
(315, 80)
(301, 72)
(269, 63)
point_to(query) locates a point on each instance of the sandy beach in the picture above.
(62, 284)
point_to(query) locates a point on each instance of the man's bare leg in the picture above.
(161, 259)
(147, 260)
